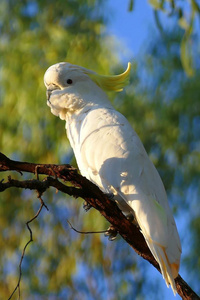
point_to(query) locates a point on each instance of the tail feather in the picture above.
(169, 270)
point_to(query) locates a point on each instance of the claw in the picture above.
(111, 233)
(110, 195)
(131, 217)
(86, 206)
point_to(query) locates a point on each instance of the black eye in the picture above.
(69, 81)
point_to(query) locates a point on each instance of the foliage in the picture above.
(186, 14)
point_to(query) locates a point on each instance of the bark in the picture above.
(92, 194)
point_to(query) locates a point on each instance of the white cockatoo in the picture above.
(110, 154)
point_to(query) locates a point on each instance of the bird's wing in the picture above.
(114, 158)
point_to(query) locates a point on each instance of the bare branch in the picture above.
(85, 232)
(91, 194)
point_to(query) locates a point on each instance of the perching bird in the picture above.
(110, 154)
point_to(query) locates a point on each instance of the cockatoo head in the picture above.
(71, 87)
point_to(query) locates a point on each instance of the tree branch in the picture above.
(42, 204)
(93, 195)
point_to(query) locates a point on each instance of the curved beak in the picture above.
(50, 89)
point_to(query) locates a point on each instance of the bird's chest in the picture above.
(93, 139)
(84, 128)
(73, 129)
(80, 131)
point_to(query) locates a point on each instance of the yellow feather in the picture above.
(114, 83)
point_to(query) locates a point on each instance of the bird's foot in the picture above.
(110, 196)
(132, 219)
(111, 233)
(86, 206)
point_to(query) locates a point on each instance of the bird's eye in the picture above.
(69, 81)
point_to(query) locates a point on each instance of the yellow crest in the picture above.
(114, 83)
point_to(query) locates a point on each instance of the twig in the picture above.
(26, 245)
(85, 232)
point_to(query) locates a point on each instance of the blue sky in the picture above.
(131, 28)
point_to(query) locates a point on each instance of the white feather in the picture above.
(110, 154)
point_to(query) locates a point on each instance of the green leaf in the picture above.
(183, 23)
(131, 4)
(185, 47)
(186, 56)
(157, 4)
(195, 6)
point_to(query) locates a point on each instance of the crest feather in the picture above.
(114, 83)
